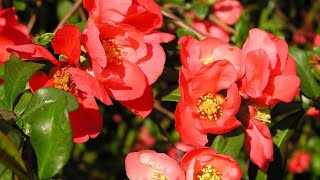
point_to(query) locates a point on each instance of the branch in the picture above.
(67, 16)
(222, 24)
(157, 106)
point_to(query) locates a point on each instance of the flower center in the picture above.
(63, 80)
(209, 106)
(207, 60)
(113, 51)
(209, 173)
(157, 175)
(263, 115)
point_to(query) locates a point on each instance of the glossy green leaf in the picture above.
(46, 96)
(316, 50)
(23, 103)
(308, 85)
(43, 39)
(16, 75)
(230, 143)
(173, 96)
(11, 158)
(51, 137)
(184, 32)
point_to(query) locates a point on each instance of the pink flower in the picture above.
(179, 150)
(299, 162)
(212, 30)
(228, 11)
(269, 70)
(11, 32)
(148, 164)
(205, 163)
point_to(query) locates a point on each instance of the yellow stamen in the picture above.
(207, 60)
(157, 175)
(209, 173)
(113, 51)
(263, 115)
(210, 106)
(63, 80)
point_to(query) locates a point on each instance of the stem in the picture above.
(33, 16)
(177, 21)
(222, 24)
(163, 110)
(75, 6)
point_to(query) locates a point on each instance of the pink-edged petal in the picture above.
(67, 42)
(143, 105)
(258, 144)
(90, 85)
(92, 43)
(213, 77)
(257, 73)
(228, 11)
(212, 30)
(259, 39)
(86, 121)
(282, 48)
(153, 63)
(158, 37)
(32, 52)
(185, 127)
(131, 75)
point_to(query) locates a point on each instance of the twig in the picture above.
(33, 16)
(157, 106)
(177, 21)
(75, 6)
(82, 14)
(222, 24)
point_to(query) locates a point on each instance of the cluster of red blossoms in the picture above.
(118, 55)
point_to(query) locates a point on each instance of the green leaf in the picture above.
(23, 103)
(51, 137)
(242, 27)
(43, 39)
(45, 96)
(184, 32)
(20, 5)
(316, 50)
(11, 158)
(173, 96)
(2, 71)
(308, 84)
(230, 143)
(63, 7)
(81, 25)
(16, 75)
(201, 9)
(6, 174)
(174, 1)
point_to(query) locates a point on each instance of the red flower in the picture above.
(179, 150)
(316, 40)
(195, 54)
(210, 29)
(205, 163)
(228, 11)
(11, 32)
(299, 162)
(86, 121)
(146, 140)
(148, 164)
(209, 103)
(258, 141)
(269, 69)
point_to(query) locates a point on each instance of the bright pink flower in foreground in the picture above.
(148, 164)
(205, 163)
(210, 29)
(11, 32)
(209, 103)
(269, 69)
(299, 162)
(125, 51)
(228, 11)
(67, 75)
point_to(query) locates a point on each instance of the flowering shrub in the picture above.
(227, 91)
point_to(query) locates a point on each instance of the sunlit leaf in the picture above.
(173, 96)
(43, 39)
(23, 103)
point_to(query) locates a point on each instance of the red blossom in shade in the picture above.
(258, 141)
(146, 140)
(86, 121)
(11, 32)
(299, 162)
(209, 103)
(210, 29)
(269, 69)
(316, 40)
(228, 11)
(313, 112)
(179, 150)
(205, 163)
(148, 164)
